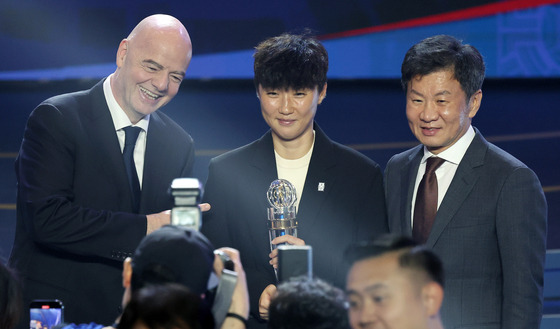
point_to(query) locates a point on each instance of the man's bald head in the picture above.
(151, 63)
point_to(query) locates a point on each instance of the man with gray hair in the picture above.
(481, 210)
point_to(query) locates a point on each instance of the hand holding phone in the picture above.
(294, 261)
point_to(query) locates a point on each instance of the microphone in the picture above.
(282, 197)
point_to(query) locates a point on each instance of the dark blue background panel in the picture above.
(68, 39)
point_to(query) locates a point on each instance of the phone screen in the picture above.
(45, 314)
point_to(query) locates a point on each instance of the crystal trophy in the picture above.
(282, 197)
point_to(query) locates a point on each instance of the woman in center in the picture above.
(340, 195)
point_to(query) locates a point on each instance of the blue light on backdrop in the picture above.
(520, 43)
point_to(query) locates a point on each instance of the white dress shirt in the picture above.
(445, 173)
(121, 120)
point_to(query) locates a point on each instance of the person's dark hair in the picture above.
(155, 260)
(154, 274)
(169, 306)
(308, 303)
(412, 255)
(11, 303)
(444, 52)
(291, 61)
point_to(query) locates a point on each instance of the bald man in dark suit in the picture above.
(76, 219)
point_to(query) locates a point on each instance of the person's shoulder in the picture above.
(500, 166)
(62, 99)
(71, 102)
(234, 164)
(240, 154)
(402, 158)
(348, 155)
(326, 147)
(75, 96)
(503, 158)
(494, 158)
(172, 129)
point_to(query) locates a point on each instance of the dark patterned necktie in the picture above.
(131, 134)
(425, 207)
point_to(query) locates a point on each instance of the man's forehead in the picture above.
(437, 83)
(378, 275)
(374, 267)
(287, 88)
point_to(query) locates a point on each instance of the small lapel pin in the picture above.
(321, 187)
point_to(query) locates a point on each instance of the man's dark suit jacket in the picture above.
(350, 208)
(75, 224)
(490, 232)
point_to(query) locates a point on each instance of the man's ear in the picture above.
(121, 52)
(474, 103)
(432, 297)
(127, 272)
(322, 94)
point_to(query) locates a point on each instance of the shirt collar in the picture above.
(120, 120)
(455, 152)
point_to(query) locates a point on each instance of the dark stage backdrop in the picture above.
(62, 39)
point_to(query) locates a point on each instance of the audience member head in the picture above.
(11, 303)
(151, 64)
(171, 254)
(308, 304)
(444, 53)
(394, 283)
(291, 61)
(168, 306)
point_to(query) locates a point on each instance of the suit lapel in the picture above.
(104, 141)
(154, 159)
(462, 184)
(264, 170)
(312, 197)
(263, 160)
(409, 171)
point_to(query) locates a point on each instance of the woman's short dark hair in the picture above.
(291, 61)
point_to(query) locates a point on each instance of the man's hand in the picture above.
(264, 301)
(289, 239)
(155, 221)
(204, 207)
